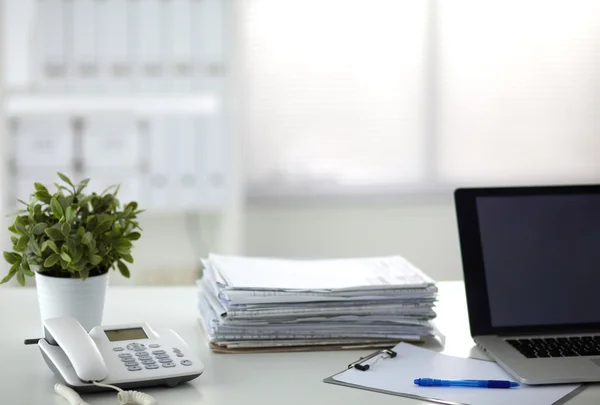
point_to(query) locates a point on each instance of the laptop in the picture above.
(531, 263)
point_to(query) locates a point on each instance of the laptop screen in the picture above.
(541, 255)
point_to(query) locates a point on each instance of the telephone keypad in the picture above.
(149, 360)
(118, 349)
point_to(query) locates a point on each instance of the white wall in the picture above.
(422, 231)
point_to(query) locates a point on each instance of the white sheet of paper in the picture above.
(331, 274)
(397, 375)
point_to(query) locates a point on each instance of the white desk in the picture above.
(244, 379)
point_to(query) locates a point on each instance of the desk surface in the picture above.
(265, 379)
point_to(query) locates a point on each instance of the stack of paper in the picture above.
(254, 303)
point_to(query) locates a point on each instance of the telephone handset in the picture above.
(125, 356)
(78, 347)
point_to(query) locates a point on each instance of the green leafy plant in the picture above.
(70, 234)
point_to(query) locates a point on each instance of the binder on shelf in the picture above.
(178, 41)
(148, 37)
(187, 164)
(393, 371)
(213, 160)
(52, 45)
(208, 40)
(114, 44)
(82, 31)
(111, 140)
(159, 181)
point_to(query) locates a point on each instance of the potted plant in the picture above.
(69, 241)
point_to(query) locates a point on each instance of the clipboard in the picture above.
(392, 371)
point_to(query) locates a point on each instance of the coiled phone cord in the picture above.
(124, 397)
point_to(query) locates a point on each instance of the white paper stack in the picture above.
(260, 303)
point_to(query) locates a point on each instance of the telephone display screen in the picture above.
(116, 335)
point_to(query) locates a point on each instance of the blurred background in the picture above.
(296, 128)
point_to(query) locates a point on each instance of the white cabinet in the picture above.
(123, 92)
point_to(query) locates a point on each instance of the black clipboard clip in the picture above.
(380, 354)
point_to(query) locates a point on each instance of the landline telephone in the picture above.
(118, 357)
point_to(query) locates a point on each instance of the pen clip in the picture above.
(383, 354)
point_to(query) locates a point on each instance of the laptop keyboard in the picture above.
(558, 347)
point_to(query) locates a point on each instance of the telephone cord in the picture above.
(124, 397)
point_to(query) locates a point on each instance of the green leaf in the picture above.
(52, 246)
(107, 189)
(84, 273)
(72, 245)
(39, 229)
(103, 227)
(51, 260)
(22, 244)
(13, 229)
(123, 269)
(133, 236)
(128, 258)
(35, 247)
(82, 184)
(23, 202)
(26, 269)
(12, 257)
(80, 232)
(13, 270)
(21, 278)
(69, 214)
(43, 196)
(54, 234)
(39, 187)
(96, 260)
(87, 238)
(65, 257)
(19, 225)
(65, 179)
(14, 240)
(56, 208)
(66, 229)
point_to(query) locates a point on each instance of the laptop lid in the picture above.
(531, 258)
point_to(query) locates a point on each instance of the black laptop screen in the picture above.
(542, 258)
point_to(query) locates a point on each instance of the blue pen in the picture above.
(434, 382)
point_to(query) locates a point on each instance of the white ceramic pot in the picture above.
(81, 299)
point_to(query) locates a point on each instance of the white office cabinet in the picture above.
(129, 92)
(43, 141)
(82, 28)
(111, 141)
